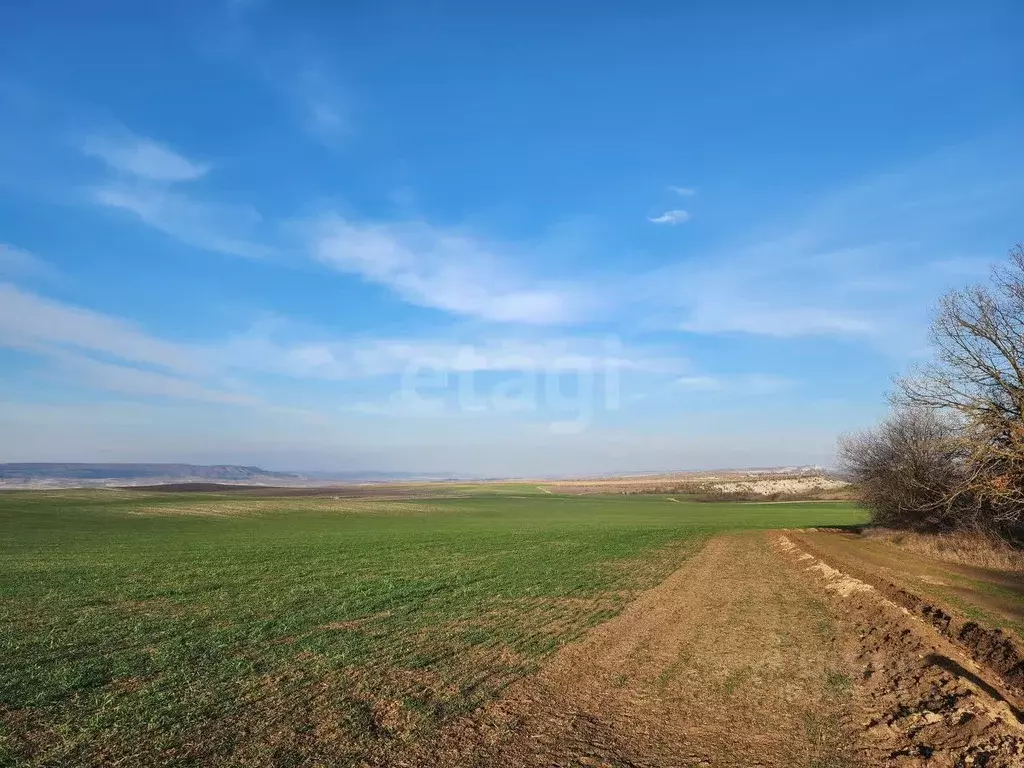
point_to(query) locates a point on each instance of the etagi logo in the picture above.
(571, 388)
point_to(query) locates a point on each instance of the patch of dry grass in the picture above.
(964, 548)
(242, 507)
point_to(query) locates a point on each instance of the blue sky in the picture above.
(481, 238)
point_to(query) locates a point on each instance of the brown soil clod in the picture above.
(920, 700)
(991, 648)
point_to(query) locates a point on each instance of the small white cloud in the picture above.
(126, 152)
(683, 191)
(676, 216)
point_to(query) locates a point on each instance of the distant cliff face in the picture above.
(88, 474)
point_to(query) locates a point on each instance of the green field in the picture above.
(195, 629)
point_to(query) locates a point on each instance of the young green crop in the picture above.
(199, 629)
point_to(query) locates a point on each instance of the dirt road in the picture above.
(751, 654)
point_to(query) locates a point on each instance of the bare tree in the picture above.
(978, 380)
(909, 469)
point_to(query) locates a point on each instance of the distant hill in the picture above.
(87, 475)
(47, 474)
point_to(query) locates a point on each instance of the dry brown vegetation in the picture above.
(235, 507)
(929, 688)
(951, 456)
(963, 547)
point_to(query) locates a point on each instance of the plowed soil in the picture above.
(920, 699)
(754, 653)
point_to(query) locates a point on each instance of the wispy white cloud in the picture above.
(33, 322)
(122, 379)
(784, 289)
(155, 197)
(718, 386)
(82, 345)
(323, 108)
(443, 269)
(864, 260)
(124, 151)
(220, 227)
(966, 267)
(772, 320)
(683, 191)
(676, 216)
(699, 383)
(298, 68)
(369, 357)
(107, 352)
(747, 383)
(15, 262)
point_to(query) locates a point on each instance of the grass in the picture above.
(188, 629)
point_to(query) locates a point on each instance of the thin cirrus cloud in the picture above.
(111, 353)
(322, 107)
(683, 191)
(675, 216)
(441, 269)
(32, 322)
(69, 337)
(700, 383)
(15, 262)
(783, 289)
(124, 380)
(220, 227)
(300, 72)
(767, 320)
(125, 152)
(371, 357)
(154, 196)
(862, 261)
(748, 383)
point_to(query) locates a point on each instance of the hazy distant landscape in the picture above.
(84, 474)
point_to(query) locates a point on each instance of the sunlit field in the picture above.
(143, 628)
